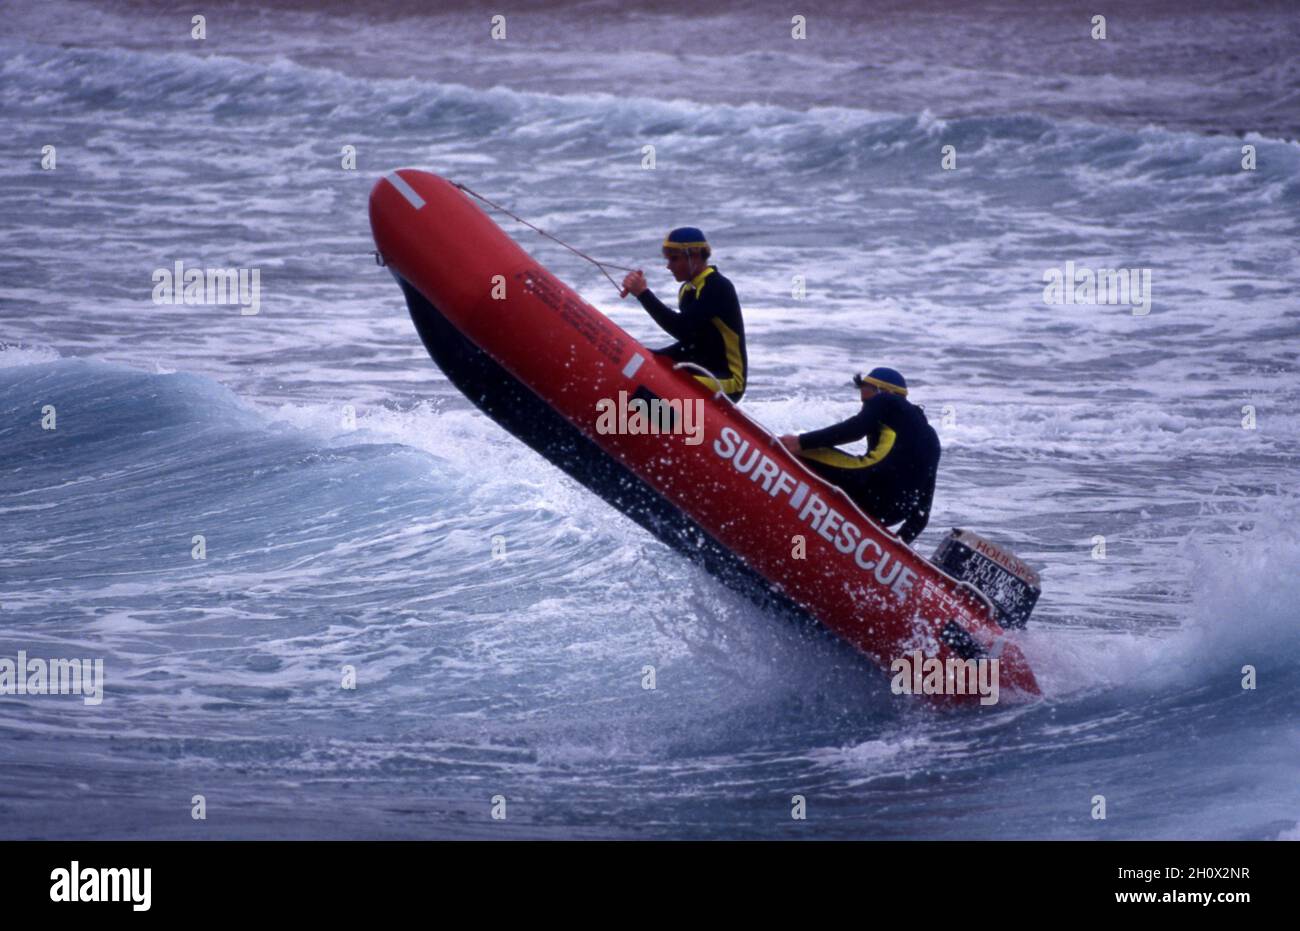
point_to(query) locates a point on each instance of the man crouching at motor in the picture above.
(894, 480)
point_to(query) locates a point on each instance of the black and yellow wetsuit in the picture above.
(709, 330)
(894, 481)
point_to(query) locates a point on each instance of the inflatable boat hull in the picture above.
(548, 367)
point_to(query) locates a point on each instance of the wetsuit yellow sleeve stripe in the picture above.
(831, 456)
(729, 385)
(735, 364)
(834, 457)
(882, 448)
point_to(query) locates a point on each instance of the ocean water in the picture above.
(348, 496)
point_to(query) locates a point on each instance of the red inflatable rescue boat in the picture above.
(548, 367)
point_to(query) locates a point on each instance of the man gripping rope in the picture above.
(894, 481)
(709, 330)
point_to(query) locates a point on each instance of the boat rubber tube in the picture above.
(551, 369)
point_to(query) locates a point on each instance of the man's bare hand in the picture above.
(633, 283)
(791, 442)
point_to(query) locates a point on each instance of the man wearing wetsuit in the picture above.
(894, 481)
(709, 330)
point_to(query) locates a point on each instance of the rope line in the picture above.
(578, 252)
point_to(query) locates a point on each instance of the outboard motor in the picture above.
(1008, 583)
